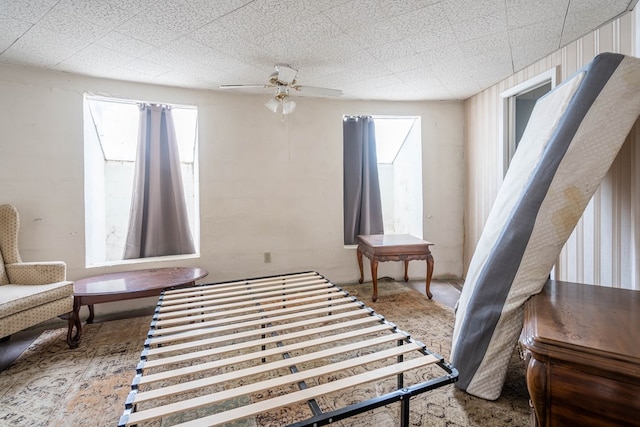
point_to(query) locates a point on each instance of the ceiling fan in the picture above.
(283, 79)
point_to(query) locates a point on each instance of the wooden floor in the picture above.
(446, 292)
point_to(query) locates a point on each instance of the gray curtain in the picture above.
(362, 204)
(158, 223)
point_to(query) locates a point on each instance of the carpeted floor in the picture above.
(49, 384)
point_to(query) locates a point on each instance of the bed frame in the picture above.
(217, 353)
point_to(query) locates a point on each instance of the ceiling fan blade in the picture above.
(243, 86)
(286, 74)
(320, 91)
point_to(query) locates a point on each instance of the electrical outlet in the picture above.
(267, 257)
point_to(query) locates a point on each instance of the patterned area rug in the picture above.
(49, 384)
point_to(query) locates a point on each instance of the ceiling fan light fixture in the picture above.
(273, 104)
(288, 106)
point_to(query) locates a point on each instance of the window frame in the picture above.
(508, 116)
(92, 258)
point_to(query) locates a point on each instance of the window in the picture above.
(110, 142)
(518, 103)
(399, 155)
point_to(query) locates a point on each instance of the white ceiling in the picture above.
(371, 49)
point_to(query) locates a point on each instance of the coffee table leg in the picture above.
(74, 320)
(374, 279)
(359, 257)
(90, 318)
(429, 274)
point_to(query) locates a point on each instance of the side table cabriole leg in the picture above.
(359, 257)
(406, 270)
(429, 274)
(374, 278)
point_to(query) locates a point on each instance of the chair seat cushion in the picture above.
(17, 298)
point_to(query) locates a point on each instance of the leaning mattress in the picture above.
(573, 135)
(228, 352)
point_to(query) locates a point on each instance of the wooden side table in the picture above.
(582, 353)
(393, 247)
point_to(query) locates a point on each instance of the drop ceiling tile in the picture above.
(345, 55)
(487, 44)
(431, 41)
(440, 58)
(525, 55)
(26, 10)
(310, 30)
(407, 6)
(42, 48)
(215, 9)
(480, 26)
(88, 20)
(403, 92)
(550, 29)
(408, 63)
(377, 34)
(189, 48)
(463, 10)
(12, 29)
(91, 65)
(419, 78)
(123, 73)
(323, 5)
(392, 51)
(124, 43)
(588, 14)
(464, 90)
(352, 15)
(161, 24)
(527, 12)
(265, 16)
(431, 19)
(220, 37)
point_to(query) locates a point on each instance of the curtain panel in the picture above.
(362, 203)
(158, 222)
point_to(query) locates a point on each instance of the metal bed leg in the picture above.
(404, 410)
(399, 360)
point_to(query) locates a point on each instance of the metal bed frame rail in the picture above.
(211, 344)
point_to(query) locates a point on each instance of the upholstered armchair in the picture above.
(30, 292)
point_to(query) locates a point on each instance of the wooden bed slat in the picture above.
(265, 367)
(185, 316)
(247, 292)
(264, 353)
(265, 316)
(278, 327)
(201, 401)
(310, 393)
(229, 286)
(183, 309)
(251, 281)
(152, 352)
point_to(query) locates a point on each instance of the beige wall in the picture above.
(265, 185)
(603, 248)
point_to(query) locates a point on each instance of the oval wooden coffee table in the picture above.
(129, 285)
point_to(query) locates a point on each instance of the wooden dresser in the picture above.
(582, 349)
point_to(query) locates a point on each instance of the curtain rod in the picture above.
(126, 101)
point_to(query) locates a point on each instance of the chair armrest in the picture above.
(36, 273)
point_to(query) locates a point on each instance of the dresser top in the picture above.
(593, 320)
